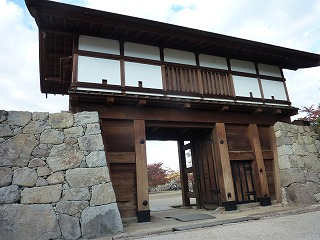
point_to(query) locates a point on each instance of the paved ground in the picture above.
(276, 222)
(304, 226)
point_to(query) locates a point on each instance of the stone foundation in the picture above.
(299, 163)
(54, 180)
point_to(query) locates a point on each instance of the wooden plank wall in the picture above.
(120, 145)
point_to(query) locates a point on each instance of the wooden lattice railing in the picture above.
(198, 81)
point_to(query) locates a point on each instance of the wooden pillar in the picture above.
(265, 199)
(143, 209)
(183, 174)
(227, 192)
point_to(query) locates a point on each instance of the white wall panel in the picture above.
(150, 75)
(177, 56)
(244, 85)
(269, 70)
(141, 51)
(273, 88)
(95, 69)
(101, 45)
(242, 66)
(213, 62)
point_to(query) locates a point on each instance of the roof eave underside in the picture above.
(53, 16)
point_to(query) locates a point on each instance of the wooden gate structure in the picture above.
(218, 96)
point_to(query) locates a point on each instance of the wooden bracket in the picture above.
(110, 101)
(186, 105)
(277, 111)
(224, 108)
(258, 110)
(142, 103)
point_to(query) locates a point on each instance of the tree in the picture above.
(157, 175)
(312, 114)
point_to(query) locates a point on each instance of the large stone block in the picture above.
(45, 194)
(42, 150)
(312, 177)
(16, 151)
(61, 120)
(5, 176)
(40, 116)
(63, 157)
(5, 130)
(9, 194)
(91, 143)
(25, 177)
(312, 188)
(284, 162)
(85, 177)
(299, 149)
(70, 227)
(18, 118)
(3, 115)
(285, 150)
(43, 171)
(74, 132)
(100, 221)
(53, 136)
(71, 207)
(96, 159)
(102, 194)
(76, 194)
(297, 194)
(56, 178)
(36, 162)
(34, 127)
(28, 222)
(293, 175)
(93, 128)
(83, 118)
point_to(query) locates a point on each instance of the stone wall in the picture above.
(54, 180)
(299, 163)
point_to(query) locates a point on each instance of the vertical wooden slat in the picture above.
(223, 163)
(141, 165)
(75, 68)
(200, 80)
(257, 151)
(164, 77)
(233, 92)
(286, 90)
(276, 171)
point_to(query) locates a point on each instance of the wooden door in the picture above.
(243, 181)
(206, 172)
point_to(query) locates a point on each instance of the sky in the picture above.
(287, 23)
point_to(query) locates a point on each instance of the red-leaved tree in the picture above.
(312, 114)
(157, 175)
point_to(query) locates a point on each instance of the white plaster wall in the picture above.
(273, 88)
(244, 85)
(213, 62)
(150, 75)
(93, 70)
(269, 70)
(101, 45)
(141, 51)
(242, 66)
(177, 56)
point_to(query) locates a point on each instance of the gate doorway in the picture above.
(198, 176)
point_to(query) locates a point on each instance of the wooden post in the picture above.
(183, 174)
(265, 199)
(143, 210)
(227, 192)
(276, 170)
